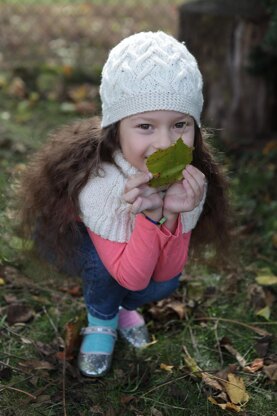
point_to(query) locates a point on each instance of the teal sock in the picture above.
(99, 342)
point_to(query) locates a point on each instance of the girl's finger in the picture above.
(131, 195)
(191, 193)
(137, 180)
(141, 204)
(136, 208)
(197, 189)
(198, 176)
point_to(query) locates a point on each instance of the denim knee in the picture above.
(155, 291)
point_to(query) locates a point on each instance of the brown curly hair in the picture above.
(50, 186)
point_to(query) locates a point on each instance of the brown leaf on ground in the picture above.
(271, 371)
(127, 399)
(167, 307)
(19, 313)
(37, 365)
(262, 345)
(166, 367)
(261, 300)
(178, 307)
(225, 406)
(236, 389)
(257, 297)
(46, 349)
(224, 389)
(75, 290)
(9, 298)
(270, 359)
(255, 366)
(72, 338)
(210, 381)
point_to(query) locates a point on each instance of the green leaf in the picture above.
(167, 165)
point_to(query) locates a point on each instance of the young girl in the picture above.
(88, 202)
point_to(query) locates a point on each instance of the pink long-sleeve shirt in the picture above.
(152, 252)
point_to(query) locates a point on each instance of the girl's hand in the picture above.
(186, 195)
(142, 197)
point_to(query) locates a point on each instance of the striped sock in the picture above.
(101, 343)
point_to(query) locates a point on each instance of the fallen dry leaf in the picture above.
(10, 298)
(264, 312)
(75, 290)
(179, 308)
(271, 371)
(266, 280)
(72, 338)
(37, 365)
(262, 345)
(19, 313)
(127, 399)
(225, 406)
(191, 363)
(168, 307)
(236, 389)
(257, 297)
(228, 390)
(255, 366)
(46, 349)
(166, 367)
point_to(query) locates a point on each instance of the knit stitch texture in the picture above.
(104, 210)
(150, 71)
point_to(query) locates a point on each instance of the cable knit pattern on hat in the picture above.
(150, 71)
(104, 210)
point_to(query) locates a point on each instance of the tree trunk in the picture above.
(221, 35)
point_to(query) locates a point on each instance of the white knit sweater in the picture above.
(105, 212)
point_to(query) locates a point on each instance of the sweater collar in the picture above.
(124, 165)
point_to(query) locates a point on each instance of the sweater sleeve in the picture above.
(133, 263)
(174, 254)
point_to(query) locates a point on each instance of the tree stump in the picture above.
(221, 34)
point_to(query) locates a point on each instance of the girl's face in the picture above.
(144, 133)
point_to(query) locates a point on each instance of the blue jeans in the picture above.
(103, 295)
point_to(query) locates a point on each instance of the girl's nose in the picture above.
(164, 140)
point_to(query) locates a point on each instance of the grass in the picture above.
(33, 381)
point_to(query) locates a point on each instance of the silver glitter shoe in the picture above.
(137, 336)
(95, 364)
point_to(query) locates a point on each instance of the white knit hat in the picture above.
(150, 71)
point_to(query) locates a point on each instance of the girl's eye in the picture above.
(181, 124)
(144, 126)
